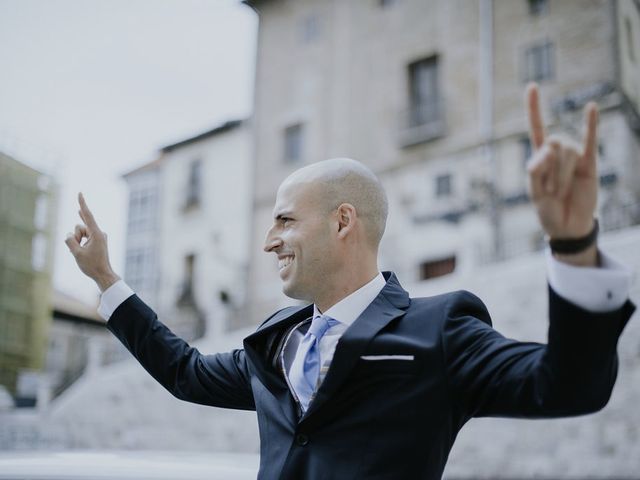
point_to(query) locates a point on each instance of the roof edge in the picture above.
(228, 125)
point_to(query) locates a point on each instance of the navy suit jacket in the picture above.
(389, 419)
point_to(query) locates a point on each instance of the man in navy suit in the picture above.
(366, 382)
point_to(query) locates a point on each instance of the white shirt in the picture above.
(345, 312)
(596, 289)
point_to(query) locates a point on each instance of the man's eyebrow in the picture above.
(282, 215)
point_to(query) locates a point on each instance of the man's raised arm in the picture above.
(220, 379)
(563, 185)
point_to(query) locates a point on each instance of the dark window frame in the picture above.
(194, 184)
(293, 149)
(438, 267)
(189, 273)
(538, 62)
(527, 150)
(538, 7)
(444, 185)
(387, 3)
(310, 28)
(424, 91)
(628, 33)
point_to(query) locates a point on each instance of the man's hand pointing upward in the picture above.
(563, 179)
(92, 256)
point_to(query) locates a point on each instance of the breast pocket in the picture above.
(400, 364)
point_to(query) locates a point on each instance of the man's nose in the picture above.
(271, 241)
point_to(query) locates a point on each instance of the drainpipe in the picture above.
(486, 123)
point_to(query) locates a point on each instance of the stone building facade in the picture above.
(188, 229)
(143, 226)
(429, 94)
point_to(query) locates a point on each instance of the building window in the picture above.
(139, 269)
(187, 284)
(437, 268)
(608, 179)
(423, 92)
(538, 63)
(141, 209)
(134, 269)
(293, 143)
(629, 35)
(310, 29)
(39, 246)
(41, 212)
(538, 7)
(194, 184)
(525, 148)
(443, 185)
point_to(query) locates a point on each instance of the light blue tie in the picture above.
(305, 368)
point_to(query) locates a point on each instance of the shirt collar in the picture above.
(350, 307)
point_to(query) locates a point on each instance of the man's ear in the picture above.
(346, 216)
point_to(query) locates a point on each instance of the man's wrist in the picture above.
(105, 280)
(581, 251)
(585, 258)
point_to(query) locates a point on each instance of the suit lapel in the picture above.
(263, 350)
(390, 303)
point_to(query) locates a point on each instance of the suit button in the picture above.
(302, 439)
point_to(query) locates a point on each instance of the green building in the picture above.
(27, 219)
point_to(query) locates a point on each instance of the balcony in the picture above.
(421, 123)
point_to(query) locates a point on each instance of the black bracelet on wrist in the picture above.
(575, 245)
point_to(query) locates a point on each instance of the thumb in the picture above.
(73, 244)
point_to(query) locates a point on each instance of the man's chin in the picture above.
(289, 292)
(292, 292)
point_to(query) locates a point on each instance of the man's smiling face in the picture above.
(301, 237)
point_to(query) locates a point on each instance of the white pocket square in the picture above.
(387, 357)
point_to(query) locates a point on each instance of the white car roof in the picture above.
(127, 465)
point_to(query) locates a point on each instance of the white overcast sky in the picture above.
(90, 89)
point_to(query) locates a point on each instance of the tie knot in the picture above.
(320, 325)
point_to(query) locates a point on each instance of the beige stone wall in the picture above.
(350, 89)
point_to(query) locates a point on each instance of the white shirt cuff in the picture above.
(596, 289)
(112, 297)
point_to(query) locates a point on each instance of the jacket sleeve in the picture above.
(220, 380)
(490, 375)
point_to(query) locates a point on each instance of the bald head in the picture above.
(343, 180)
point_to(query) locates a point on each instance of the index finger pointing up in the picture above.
(591, 136)
(86, 214)
(536, 125)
